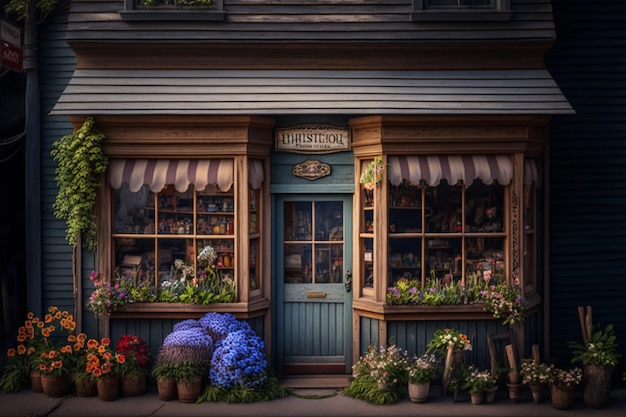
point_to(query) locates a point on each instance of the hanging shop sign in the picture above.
(10, 46)
(10, 56)
(313, 138)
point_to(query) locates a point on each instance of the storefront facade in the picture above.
(257, 148)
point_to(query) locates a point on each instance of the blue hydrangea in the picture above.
(186, 324)
(220, 325)
(239, 360)
(195, 337)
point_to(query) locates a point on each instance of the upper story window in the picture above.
(173, 10)
(461, 10)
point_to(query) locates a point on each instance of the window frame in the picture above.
(131, 13)
(501, 11)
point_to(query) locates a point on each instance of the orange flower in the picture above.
(48, 318)
(21, 349)
(92, 344)
(30, 315)
(11, 352)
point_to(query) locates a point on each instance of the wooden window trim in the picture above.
(130, 13)
(500, 13)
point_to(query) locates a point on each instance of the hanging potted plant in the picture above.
(373, 173)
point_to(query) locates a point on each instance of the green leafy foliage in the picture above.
(269, 391)
(365, 388)
(81, 161)
(599, 349)
(22, 8)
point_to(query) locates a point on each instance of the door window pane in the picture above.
(320, 259)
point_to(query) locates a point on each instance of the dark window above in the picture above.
(461, 10)
(151, 10)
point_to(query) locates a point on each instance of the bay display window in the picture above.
(441, 219)
(174, 218)
(445, 233)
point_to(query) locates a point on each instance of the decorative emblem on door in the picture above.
(311, 169)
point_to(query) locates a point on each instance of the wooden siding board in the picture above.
(344, 92)
(587, 160)
(306, 21)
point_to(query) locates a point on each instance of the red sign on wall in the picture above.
(11, 56)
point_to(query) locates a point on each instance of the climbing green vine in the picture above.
(80, 162)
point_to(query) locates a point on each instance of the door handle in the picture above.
(348, 281)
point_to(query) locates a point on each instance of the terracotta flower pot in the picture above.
(86, 387)
(166, 388)
(133, 385)
(513, 391)
(476, 397)
(535, 389)
(35, 381)
(189, 391)
(109, 388)
(56, 386)
(490, 395)
(562, 397)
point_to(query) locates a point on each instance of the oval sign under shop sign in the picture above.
(313, 138)
(311, 169)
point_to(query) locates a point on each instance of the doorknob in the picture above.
(348, 281)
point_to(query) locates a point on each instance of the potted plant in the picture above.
(535, 374)
(476, 382)
(504, 302)
(449, 345)
(134, 369)
(34, 337)
(165, 375)
(55, 367)
(421, 372)
(376, 375)
(188, 377)
(85, 382)
(373, 173)
(563, 382)
(106, 296)
(598, 355)
(103, 364)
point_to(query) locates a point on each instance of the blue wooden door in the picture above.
(314, 312)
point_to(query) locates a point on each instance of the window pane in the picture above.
(405, 259)
(484, 208)
(459, 3)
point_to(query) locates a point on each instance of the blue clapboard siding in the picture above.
(340, 180)
(296, 21)
(313, 329)
(588, 171)
(56, 65)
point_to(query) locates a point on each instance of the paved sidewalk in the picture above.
(306, 402)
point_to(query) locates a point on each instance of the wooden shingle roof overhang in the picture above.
(284, 92)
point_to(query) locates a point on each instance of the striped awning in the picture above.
(431, 169)
(532, 172)
(156, 173)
